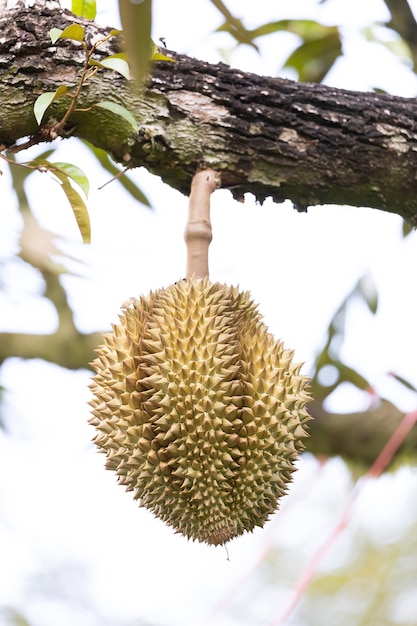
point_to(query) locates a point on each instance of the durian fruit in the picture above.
(199, 410)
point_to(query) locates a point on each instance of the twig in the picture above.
(198, 233)
(84, 76)
(50, 131)
(115, 177)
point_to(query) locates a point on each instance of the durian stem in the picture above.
(198, 233)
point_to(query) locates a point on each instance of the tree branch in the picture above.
(358, 437)
(72, 350)
(310, 143)
(403, 21)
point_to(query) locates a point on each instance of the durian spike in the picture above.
(198, 233)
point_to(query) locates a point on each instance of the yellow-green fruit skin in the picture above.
(199, 410)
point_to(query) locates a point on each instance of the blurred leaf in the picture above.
(238, 32)
(45, 100)
(2, 424)
(367, 289)
(234, 26)
(115, 62)
(19, 174)
(74, 32)
(117, 109)
(313, 59)
(407, 228)
(342, 374)
(136, 21)
(329, 357)
(270, 27)
(308, 30)
(76, 174)
(128, 184)
(349, 375)
(44, 155)
(226, 54)
(84, 8)
(390, 39)
(14, 617)
(319, 49)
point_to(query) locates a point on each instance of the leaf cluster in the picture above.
(320, 45)
(136, 19)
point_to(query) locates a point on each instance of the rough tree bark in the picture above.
(309, 143)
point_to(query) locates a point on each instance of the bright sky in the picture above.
(59, 505)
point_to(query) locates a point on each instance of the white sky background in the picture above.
(58, 502)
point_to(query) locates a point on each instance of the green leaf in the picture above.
(272, 27)
(235, 27)
(63, 172)
(55, 34)
(136, 18)
(75, 173)
(80, 210)
(319, 49)
(44, 155)
(157, 56)
(77, 204)
(308, 30)
(117, 109)
(314, 58)
(45, 100)
(406, 228)
(115, 62)
(69, 170)
(84, 8)
(74, 32)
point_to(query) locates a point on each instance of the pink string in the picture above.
(381, 462)
(226, 600)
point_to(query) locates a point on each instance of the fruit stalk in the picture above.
(198, 232)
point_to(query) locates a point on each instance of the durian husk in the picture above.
(199, 410)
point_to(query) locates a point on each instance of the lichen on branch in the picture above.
(312, 144)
